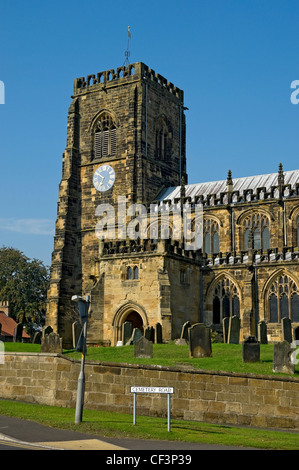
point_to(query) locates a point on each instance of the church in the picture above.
(126, 157)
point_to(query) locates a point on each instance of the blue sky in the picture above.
(234, 59)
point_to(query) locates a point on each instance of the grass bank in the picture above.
(116, 425)
(225, 357)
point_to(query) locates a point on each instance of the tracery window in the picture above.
(257, 226)
(283, 300)
(226, 301)
(105, 137)
(210, 236)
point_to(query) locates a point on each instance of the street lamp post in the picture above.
(83, 305)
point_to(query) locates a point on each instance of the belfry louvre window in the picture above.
(105, 137)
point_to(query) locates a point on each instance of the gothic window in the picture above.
(210, 236)
(283, 300)
(162, 140)
(105, 137)
(226, 301)
(132, 273)
(257, 227)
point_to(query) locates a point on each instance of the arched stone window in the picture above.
(258, 226)
(226, 301)
(105, 136)
(129, 273)
(132, 273)
(210, 236)
(283, 299)
(135, 272)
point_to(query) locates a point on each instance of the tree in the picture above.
(24, 283)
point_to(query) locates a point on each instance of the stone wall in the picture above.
(215, 397)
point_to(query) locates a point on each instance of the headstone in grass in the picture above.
(286, 329)
(51, 343)
(225, 326)
(47, 330)
(282, 358)
(251, 350)
(262, 332)
(143, 348)
(37, 337)
(200, 341)
(158, 333)
(234, 330)
(184, 331)
(127, 331)
(149, 333)
(17, 333)
(137, 333)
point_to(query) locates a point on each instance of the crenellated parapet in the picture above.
(141, 247)
(138, 71)
(257, 257)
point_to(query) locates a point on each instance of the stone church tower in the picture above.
(131, 119)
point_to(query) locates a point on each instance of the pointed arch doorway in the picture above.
(129, 312)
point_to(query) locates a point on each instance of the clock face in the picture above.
(104, 178)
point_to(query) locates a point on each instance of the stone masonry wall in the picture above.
(215, 397)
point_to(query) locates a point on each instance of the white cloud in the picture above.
(28, 226)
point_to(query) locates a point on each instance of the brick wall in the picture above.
(215, 397)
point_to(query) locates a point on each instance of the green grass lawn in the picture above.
(225, 357)
(108, 424)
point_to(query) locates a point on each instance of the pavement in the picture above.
(30, 435)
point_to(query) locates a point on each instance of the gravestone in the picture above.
(262, 332)
(51, 343)
(137, 333)
(296, 333)
(282, 358)
(37, 337)
(47, 330)
(127, 331)
(184, 331)
(143, 348)
(158, 335)
(76, 332)
(225, 326)
(286, 329)
(150, 333)
(180, 342)
(200, 341)
(17, 333)
(251, 350)
(234, 330)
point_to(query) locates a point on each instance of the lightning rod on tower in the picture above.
(127, 52)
